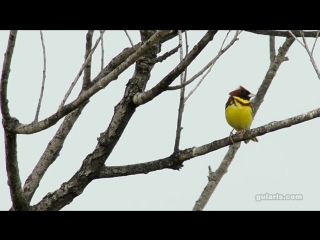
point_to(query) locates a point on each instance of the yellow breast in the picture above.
(239, 114)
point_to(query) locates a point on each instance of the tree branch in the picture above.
(272, 47)
(51, 153)
(181, 100)
(129, 38)
(281, 33)
(142, 98)
(5, 75)
(235, 38)
(86, 82)
(102, 49)
(123, 112)
(181, 156)
(209, 64)
(215, 179)
(84, 96)
(43, 78)
(167, 54)
(305, 46)
(54, 147)
(10, 139)
(86, 62)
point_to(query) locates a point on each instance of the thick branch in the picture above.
(84, 96)
(55, 145)
(94, 161)
(142, 98)
(17, 197)
(280, 33)
(51, 153)
(189, 153)
(5, 75)
(10, 139)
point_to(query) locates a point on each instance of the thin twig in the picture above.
(224, 39)
(80, 72)
(43, 77)
(283, 33)
(181, 102)
(272, 48)
(86, 81)
(129, 37)
(212, 62)
(305, 45)
(102, 50)
(315, 41)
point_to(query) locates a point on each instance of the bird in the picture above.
(239, 111)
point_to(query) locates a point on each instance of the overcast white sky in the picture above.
(283, 162)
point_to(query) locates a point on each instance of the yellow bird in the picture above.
(239, 112)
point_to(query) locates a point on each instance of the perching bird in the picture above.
(239, 112)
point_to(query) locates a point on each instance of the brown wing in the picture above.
(230, 101)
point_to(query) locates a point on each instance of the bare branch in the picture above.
(292, 35)
(170, 35)
(43, 78)
(87, 61)
(284, 33)
(167, 54)
(310, 55)
(181, 101)
(176, 160)
(10, 138)
(209, 64)
(272, 48)
(123, 112)
(5, 75)
(102, 50)
(225, 38)
(274, 66)
(84, 96)
(86, 81)
(129, 38)
(51, 153)
(305, 45)
(54, 147)
(142, 98)
(17, 197)
(213, 61)
(315, 41)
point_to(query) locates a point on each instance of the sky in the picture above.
(283, 162)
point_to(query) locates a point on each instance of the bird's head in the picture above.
(242, 93)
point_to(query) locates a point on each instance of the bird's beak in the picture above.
(251, 95)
